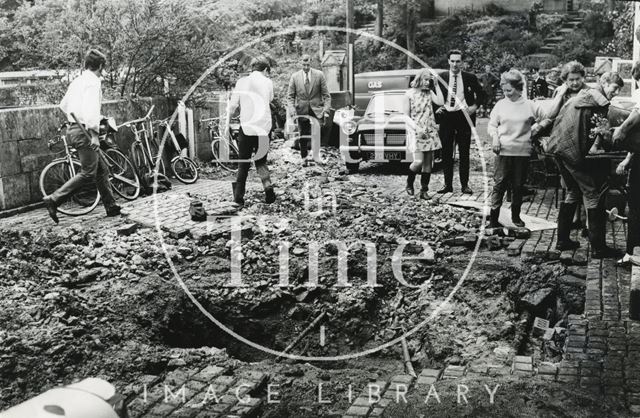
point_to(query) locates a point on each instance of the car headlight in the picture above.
(349, 127)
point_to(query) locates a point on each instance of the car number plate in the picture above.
(387, 156)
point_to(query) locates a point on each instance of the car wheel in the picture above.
(352, 167)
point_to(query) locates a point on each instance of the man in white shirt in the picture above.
(464, 95)
(253, 95)
(83, 99)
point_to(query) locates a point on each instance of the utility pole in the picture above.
(635, 92)
(350, 51)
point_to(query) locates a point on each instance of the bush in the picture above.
(597, 25)
(493, 9)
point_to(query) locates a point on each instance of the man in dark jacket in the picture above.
(464, 95)
(539, 86)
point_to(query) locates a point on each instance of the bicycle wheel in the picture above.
(57, 173)
(124, 179)
(226, 154)
(158, 162)
(185, 169)
(138, 159)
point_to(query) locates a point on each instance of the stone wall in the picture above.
(23, 144)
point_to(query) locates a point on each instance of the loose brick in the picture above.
(405, 379)
(358, 410)
(209, 373)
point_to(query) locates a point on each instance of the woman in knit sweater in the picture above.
(510, 127)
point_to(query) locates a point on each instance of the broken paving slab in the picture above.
(532, 223)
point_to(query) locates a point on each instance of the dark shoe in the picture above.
(515, 217)
(425, 178)
(493, 219)
(114, 210)
(446, 189)
(565, 219)
(269, 195)
(197, 212)
(466, 190)
(238, 193)
(597, 220)
(51, 208)
(411, 177)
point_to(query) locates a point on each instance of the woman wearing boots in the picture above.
(510, 127)
(422, 138)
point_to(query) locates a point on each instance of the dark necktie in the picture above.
(454, 91)
(306, 80)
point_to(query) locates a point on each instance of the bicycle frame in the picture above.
(142, 134)
(71, 154)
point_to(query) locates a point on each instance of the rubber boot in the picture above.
(494, 215)
(265, 177)
(424, 185)
(597, 219)
(515, 216)
(565, 219)
(238, 192)
(410, 180)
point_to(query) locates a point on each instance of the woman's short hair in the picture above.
(611, 77)
(513, 77)
(572, 67)
(417, 80)
(94, 59)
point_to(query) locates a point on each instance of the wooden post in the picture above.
(634, 290)
(350, 50)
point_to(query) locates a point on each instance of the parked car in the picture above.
(379, 135)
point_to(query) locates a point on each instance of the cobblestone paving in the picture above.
(216, 390)
(172, 212)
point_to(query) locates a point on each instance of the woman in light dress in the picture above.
(422, 134)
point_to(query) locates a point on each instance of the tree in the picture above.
(379, 18)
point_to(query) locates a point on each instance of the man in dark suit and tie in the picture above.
(464, 94)
(308, 96)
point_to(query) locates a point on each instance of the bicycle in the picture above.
(123, 178)
(184, 168)
(144, 152)
(224, 149)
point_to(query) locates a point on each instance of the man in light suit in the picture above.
(308, 96)
(464, 95)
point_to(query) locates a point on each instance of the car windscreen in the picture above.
(386, 104)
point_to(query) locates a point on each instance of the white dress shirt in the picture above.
(83, 99)
(253, 94)
(460, 102)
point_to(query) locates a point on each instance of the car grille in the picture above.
(390, 139)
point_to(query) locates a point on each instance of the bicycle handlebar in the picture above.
(139, 120)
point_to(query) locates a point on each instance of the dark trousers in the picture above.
(247, 146)
(583, 181)
(304, 127)
(633, 222)
(454, 129)
(94, 169)
(509, 171)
